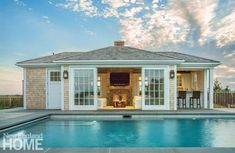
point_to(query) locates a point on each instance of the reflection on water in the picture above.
(131, 133)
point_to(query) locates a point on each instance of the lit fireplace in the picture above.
(119, 100)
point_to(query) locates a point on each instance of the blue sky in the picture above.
(32, 28)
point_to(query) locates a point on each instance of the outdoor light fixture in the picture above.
(172, 74)
(66, 74)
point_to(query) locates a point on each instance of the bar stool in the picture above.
(196, 96)
(182, 96)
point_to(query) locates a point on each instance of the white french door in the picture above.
(84, 88)
(155, 88)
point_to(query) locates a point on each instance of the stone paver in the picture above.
(12, 117)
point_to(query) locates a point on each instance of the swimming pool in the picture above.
(133, 133)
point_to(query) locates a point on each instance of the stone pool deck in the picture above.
(11, 117)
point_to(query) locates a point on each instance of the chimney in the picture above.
(119, 43)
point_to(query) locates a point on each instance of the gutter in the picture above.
(192, 65)
(103, 62)
(120, 62)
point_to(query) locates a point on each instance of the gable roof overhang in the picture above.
(122, 62)
(102, 62)
(198, 65)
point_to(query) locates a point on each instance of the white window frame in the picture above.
(71, 90)
(166, 89)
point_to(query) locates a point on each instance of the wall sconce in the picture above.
(172, 74)
(66, 74)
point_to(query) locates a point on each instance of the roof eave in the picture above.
(202, 65)
(24, 65)
(118, 62)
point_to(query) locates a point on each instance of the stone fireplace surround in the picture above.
(122, 92)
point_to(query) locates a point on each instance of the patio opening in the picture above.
(119, 88)
(190, 88)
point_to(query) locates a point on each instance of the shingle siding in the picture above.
(172, 90)
(66, 90)
(35, 88)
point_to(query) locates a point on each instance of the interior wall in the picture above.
(135, 84)
(103, 84)
(105, 87)
(187, 81)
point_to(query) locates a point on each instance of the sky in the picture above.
(30, 28)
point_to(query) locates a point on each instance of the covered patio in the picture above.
(194, 88)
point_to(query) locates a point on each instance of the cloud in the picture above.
(46, 19)
(192, 24)
(173, 22)
(229, 55)
(85, 6)
(20, 2)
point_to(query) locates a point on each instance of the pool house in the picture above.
(118, 77)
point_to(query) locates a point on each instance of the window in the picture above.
(140, 86)
(84, 87)
(54, 76)
(154, 87)
(179, 80)
(98, 85)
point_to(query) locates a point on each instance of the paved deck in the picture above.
(16, 116)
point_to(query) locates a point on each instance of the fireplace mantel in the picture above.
(119, 87)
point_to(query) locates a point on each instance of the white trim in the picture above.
(142, 88)
(211, 90)
(71, 90)
(166, 89)
(46, 84)
(48, 70)
(205, 89)
(71, 80)
(198, 65)
(62, 87)
(24, 87)
(175, 88)
(105, 62)
(37, 64)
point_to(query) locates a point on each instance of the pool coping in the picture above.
(107, 114)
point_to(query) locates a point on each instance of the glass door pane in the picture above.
(154, 86)
(84, 87)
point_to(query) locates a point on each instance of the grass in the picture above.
(7, 102)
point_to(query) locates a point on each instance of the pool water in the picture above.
(134, 133)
